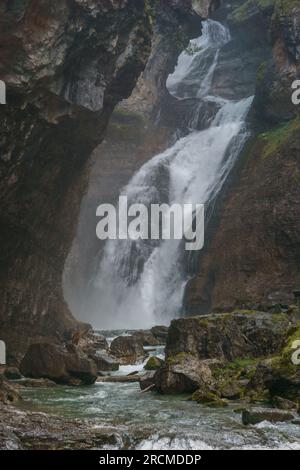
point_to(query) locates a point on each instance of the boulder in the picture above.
(128, 349)
(184, 373)
(240, 334)
(47, 360)
(284, 404)
(153, 363)
(12, 373)
(257, 415)
(92, 342)
(147, 380)
(8, 393)
(146, 337)
(160, 333)
(105, 363)
(209, 398)
(37, 383)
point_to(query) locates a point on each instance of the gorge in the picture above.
(164, 102)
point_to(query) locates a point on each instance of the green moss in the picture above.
(153, 363)
(285, 7)
(276, 138)
(209, 398)
(242, 13)
(179, 358)
(261, 72)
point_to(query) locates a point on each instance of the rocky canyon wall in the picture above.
(66, 64)
(252, 256)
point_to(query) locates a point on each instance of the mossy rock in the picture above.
(209, 398)
(154, 363)
(275, 139)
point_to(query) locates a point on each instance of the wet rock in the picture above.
(105, 363)
(128, 349)
(8, 393)
(153, 363)
(284, 404)
(37, 383)
(24, 430)
(160, 333)
(240, 334)
(209, 398)
(119, 379)
(46, 360)
(184, 373)
(146, 337)
(257, 415)
(92, 342)
(12, 373)
(147, 380)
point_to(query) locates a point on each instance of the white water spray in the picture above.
(142, 283)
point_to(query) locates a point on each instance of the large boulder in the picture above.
(257, 415)
(160, 332)
(146, 337)
(105, 363)
(47, 360)
(8, 393)
(228, 336)
(128, 349)
(185, 373)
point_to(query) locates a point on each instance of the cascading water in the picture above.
(141, 283)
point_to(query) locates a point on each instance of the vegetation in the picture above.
(276, 138)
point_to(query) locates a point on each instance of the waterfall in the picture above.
(142, 283)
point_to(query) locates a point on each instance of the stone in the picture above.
(8, 393)
(128, 349)
(12, 373)
(153, 363)
(105, 363)
(146, 337)
(47, 360)
(183, 373)
(257, 415)
(229, 336)
(37, 383)
(26, 430)
(209, 398)
(160, 333)
(147, 380)
(284, 403)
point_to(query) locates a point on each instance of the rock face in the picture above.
(65, 64)
(128, 349)
(258, 215)
(46, 360)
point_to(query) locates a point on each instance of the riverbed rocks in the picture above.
(238, 356)
(228, 336)
(128, 349)
(258, 415)
(8, 392)
(24, 430)
(46, 360)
